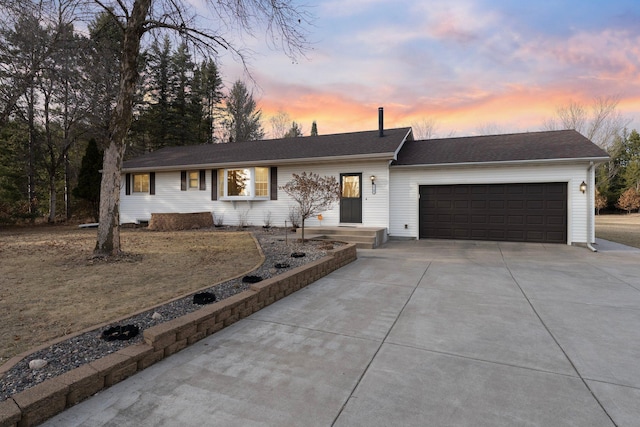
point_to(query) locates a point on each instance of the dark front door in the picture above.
(513, 212)
(351, 197)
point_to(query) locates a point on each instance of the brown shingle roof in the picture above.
(548, 145)
(355, 144)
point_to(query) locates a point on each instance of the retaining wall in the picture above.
(41, 402)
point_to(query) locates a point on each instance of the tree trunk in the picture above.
(33, 206)
(109, 225)
(67, 184)
(52, 199)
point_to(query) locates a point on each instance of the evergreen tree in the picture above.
(631, 159)
(14, 197)
(103, 70)
(294, 132)
(314, 129)
(88, 187)
(210, 91)
(158, 92)
(243, 116)
(185, 113)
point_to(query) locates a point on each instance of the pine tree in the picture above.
(294, 132)
(314, 129)
(243, 116)
(88, 187)
(210, 91)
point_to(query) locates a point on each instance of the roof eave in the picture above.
(395, 154)
(305, 160)
(596, 160)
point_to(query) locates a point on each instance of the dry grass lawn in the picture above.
(49, 286)
(623, 228)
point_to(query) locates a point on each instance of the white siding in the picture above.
(169, 198)
(405, 184)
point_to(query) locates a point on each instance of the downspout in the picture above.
(590, 207)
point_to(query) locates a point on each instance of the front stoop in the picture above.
(363, 237)
(42, 401)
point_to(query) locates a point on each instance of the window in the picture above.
(262, 182)
(243, 183)
(140, 182)
(193, 180)
(238, 182)
(350, 186)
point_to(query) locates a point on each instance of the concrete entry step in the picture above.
(363, 237)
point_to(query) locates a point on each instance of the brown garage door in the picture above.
(510, 212)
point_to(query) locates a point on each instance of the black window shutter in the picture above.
(152, 183)
(203, 179)
(274, 183)
(214, 184)
(183, 180)
(127, 184)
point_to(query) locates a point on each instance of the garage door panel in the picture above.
(535, 236)
(535, 205)
(535, 220)
(515, 212)
(478, 219)
(515, 204)
(555, 205)
(515, 235)
(515, 219)
(553, 236)
(461, 219)
(556, 220)
(497, 219)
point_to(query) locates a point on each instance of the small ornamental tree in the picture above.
(629, 200)
(313, 193)
(601, 201)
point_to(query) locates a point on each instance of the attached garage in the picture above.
(529, 187)
(522, 212)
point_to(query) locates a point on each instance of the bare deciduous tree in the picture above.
(600, 201)
(489, 128)
(279, 124)
(424, 128)
(600, 121)
(313, 194)
(281, 19)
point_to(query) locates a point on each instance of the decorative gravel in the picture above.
(90, 346)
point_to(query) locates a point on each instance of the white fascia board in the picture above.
(395, 154)
(327, 159)
(595, 160)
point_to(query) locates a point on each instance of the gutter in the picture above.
(504, 162)
(590, 207)
(273, 162)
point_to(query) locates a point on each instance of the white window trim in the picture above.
(252, 186)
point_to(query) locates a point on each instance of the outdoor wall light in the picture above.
(373, 184)
(583, 187)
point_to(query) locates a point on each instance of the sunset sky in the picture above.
(472, 66)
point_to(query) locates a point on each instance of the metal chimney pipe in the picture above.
(381, 121)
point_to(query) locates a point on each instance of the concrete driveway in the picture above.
(421, 333)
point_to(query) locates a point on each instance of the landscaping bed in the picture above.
(38, 402)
